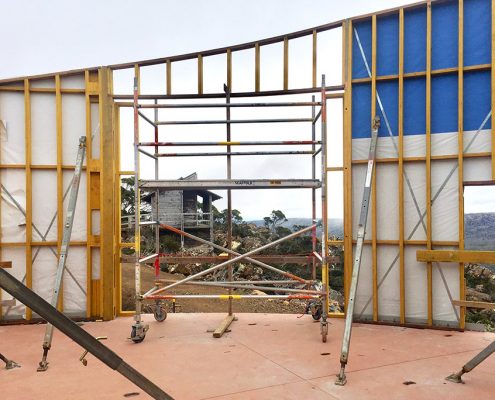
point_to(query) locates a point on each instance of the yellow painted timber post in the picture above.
(107, 198)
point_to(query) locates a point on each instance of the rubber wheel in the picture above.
(160, 314)
(134, 338)
(324, 332)
(318, 313)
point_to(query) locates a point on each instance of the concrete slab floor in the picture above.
(265, 356)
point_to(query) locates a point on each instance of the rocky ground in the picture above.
(246, 237)
(205, 305)
(480, 287)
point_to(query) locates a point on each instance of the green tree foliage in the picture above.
(275, 219)
(127, 197)
(240, 228)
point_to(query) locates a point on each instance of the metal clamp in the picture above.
(9, 364)
(83, 355)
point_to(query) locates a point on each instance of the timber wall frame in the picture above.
(99, 172)
(105, 174)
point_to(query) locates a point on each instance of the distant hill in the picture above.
(335, 225)
(479, 231)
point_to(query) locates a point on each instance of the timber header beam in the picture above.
(456, 256)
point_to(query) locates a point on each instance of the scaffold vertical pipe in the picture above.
(324, 266)
(138, 329)
(313, 191)
(157, 201)
(229, 192)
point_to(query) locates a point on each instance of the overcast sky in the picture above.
(49, 36)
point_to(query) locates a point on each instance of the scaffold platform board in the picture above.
(212, 184)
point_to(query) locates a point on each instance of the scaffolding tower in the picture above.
(317, 297)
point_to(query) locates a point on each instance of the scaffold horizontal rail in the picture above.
(231, 143)
(223, 105)
(272, 259)
(221, 184)
(241, 285)
(234, 121)
(237, 153)
(227, 297)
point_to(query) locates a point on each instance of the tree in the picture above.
(275, 219)
(239, 226)
(127, 197)
(220, 218)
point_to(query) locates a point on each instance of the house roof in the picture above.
(201, 192)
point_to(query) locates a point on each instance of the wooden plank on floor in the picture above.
(222, 328)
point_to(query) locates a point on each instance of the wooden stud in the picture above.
(117, 212)
(29, 191)
(229, 69)
(257, 63)
(200, 74)
(60, 182)
(347, 157)
(169, 77)
(89, 224)
(428, 161)
(315, 54)
(401, 169)
(286, 63)
(107, 175)
(373, 184)
(460, 161)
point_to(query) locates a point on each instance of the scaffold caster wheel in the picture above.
(160, 314)
(324, 331)
(317, 312)
(138, 332)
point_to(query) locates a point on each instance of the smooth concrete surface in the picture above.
(264, 356)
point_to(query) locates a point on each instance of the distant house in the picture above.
(189, 210)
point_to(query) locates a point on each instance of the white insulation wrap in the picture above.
(44, 192)
(445, 224)
(18, 257)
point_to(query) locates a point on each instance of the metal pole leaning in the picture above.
(79, 335)
(344, 356)
(473, 363)
(138, 330)
(64, 248)
(231, 261)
